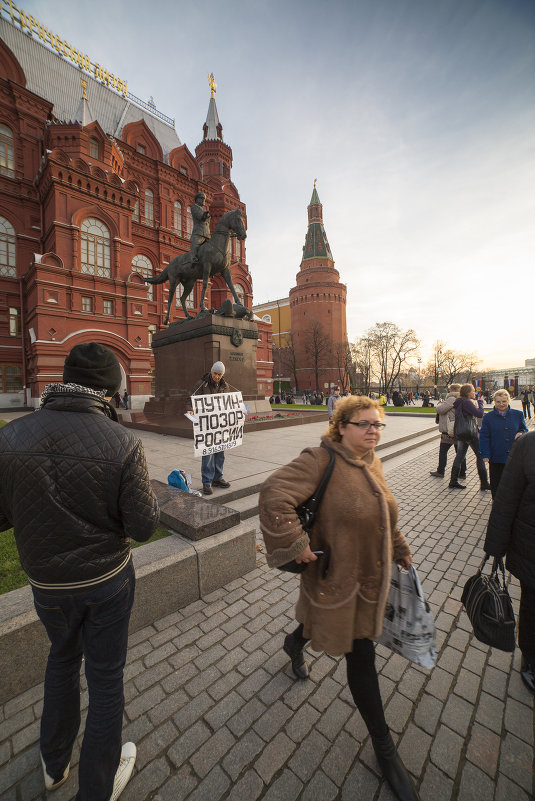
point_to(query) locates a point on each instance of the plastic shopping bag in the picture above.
(409, 627)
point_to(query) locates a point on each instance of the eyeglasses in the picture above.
(364, 424)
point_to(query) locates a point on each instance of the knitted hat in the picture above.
(92, 365)
(219, 368)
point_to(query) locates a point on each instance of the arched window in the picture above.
(149, 207)
(93, 148)
(240, 291)
(8, 264)
(266, 318)
(189, 222)
(135, 213)
(142, 265)
(177, 217)
(95, 248)
(7, 159)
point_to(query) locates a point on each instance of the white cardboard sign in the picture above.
(217, 422)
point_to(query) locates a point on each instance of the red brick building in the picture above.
(95, 189)
(318, 310)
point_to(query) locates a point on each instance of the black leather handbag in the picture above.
(465, 427)
(488, 605)
(307, 511)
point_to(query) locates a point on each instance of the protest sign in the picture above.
(217, 422)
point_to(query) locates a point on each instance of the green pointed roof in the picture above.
(315, 200)
(316, 242)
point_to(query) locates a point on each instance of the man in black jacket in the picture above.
(75, 487)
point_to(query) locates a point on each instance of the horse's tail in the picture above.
(159, 279)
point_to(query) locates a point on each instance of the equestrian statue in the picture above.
(209, 256)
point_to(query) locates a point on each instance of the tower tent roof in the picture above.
(315, 199)
(316, 242)
(213, 129)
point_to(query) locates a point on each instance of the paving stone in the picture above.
(202, 681)
(475, 785)
(19, 767)
(22, 701)
(142, 703)
(19, 720)
(192, 711)
(339, 758)
(307, 758)
(414, 748)
(325, 694)
(212, 751)
(483, 749)
(147, 678)
(450, 659)
(439, 683)
(213, 787)
(320, 788)
(286, 788)
(178, 787)
(275, 688)
(427, 713)
(360, 785)
(507, 791)
(163, 636)
(159, 740)
(446, 751)
(457, 714)
(467, 685)
(516, 761)
(188, 743)
(224, 685)
(250, 712)
(495, 682)
(274, 756)
(519, 720)
(252, 685)
(490, 711)
(411, 683)
(272, 720)
(398, 711)
(249, 788)
(436, 785)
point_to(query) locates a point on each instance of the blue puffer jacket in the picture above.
(498, 433)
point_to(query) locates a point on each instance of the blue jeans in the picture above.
(212, 467)
(92, 623)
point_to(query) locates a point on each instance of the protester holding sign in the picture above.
(212, 464)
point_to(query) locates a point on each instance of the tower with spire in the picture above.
(318, 308)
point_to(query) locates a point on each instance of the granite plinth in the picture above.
(191, 516)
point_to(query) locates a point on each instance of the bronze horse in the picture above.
(214, 258)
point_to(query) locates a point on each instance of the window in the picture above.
(149, 207)
(142, 149)
(177, 217)
(95, 248)
(240, 291)
(87, 304)
(266, 318)
(135, 213)
(7, 160)
(239, 250)
(189, 222)
(108, 307)
(14, 322)
(142, 265)
(7, 249)
(93, 148)
(10, 377)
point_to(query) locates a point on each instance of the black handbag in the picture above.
(307, 511)
(489, 607)
(465, 427)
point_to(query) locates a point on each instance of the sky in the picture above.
(416, 117)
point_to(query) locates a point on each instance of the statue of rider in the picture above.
(201, 225)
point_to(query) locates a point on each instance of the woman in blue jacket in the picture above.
(499, 430)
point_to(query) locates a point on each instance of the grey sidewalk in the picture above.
(215, 712)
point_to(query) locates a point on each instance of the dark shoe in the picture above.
(393, 769)
(294, 649)
(527, 674)
(221, 483)
(207, 489)
(483, 480)
(437, 474)
(454, 483)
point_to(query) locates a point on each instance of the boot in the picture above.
(454, 480)
(393, 769)
(483, 480)
(437, 473)
(527, 673)
(293, 646)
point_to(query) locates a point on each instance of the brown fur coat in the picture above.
(356, 525)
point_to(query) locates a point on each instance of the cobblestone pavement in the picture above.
(215, 712)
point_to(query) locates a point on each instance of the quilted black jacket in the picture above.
(511, 529)
(75, 487)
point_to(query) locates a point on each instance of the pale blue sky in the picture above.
(415, 116)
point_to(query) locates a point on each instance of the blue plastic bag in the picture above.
(178, 479)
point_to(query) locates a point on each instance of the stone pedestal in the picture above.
(186, 351)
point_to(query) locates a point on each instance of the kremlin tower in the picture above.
(318, 308)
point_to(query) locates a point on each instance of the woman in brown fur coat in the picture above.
(344, 591)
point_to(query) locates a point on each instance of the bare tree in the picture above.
(362, 356)
(318, 347)
(286, 357)
(344, 364)
(391, 348)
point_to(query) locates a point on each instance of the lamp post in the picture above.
(418, 382)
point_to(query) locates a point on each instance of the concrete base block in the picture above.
(225, 557)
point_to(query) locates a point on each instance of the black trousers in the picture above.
(495, 473)
(526, 623)
(443, 457)
(363, 683)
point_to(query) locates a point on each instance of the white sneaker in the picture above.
(124, 771)
(50, 783)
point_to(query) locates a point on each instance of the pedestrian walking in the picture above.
(344, 590)
(526, 403)
(500, 428)
(334, 397)
(75, 488)
(467, 405)
(446, 414)
(125, 399)
(511, 533)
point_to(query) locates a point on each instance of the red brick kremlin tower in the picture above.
(318, 308)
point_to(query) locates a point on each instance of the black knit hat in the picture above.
(92, 365)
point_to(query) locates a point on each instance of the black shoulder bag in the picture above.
(489, 608)
(465, 427)
(307, 511)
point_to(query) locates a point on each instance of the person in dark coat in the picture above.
(212, 465)
(74, 486)
(467, 405)
(500, 428)
(511, 533)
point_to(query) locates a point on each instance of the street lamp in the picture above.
(418, 382)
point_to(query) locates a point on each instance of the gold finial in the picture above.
(84, 87)
(315, 179)
(212, 83)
